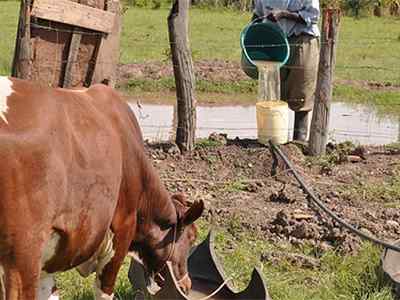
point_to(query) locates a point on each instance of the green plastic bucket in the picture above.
(262, 41)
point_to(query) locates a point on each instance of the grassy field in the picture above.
(369, 48)
(337, 278)
(9, 19)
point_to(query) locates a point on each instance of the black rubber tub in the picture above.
(208, 279)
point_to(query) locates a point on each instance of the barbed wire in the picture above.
(253, 130)
(81, 31)
(359, 44)
(350, 133)
(51, 63)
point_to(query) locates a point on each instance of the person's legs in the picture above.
(299, 81)
(300, 130)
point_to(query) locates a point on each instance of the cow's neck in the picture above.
(156, 202)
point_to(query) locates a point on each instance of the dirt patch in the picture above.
(370, 85)
(235, 182)
(220, 71)
(212, 70)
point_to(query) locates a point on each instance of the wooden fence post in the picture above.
(109, 49)
(21, 66)
(184, 76)
(323, 94)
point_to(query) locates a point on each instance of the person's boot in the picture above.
(300, 126)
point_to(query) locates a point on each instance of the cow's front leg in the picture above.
(108, 267)
(20, 276)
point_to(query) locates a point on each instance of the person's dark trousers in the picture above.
(300, 131)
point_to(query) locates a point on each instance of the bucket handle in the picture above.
(277, 111)
(258, 19)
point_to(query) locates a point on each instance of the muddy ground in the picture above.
(217, 71)
(234, 180)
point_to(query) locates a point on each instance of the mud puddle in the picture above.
(348, 122)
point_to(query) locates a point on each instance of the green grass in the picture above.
(368, 48)
(384, 101)
(214, 34)
(337, 278)
(74, 287)
(206, 143)
(393, 147)
(9, 19)
(202, 86)
(384, 192)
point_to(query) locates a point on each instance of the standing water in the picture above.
(348, 122)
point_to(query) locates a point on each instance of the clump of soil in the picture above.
(233, 178)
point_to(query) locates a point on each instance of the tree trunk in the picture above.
(21, 67)
(323, 94)
(184, 76)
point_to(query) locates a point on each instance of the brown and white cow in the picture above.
(76, 187)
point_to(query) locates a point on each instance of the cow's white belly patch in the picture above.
(97, 263)
(5, 91)
(102, 256)
(51, 247)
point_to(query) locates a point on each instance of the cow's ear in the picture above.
(180, 198)
(193, 213)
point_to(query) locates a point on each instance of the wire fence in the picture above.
(57, 64)
(364, 44)
(391, 72)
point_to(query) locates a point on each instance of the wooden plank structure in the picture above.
(67, 12)
(68, 43)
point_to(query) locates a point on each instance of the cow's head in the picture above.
(170, 241)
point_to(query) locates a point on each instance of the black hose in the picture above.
(322, 206)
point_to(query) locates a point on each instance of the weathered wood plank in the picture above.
(108, 56)
(21, 67)
(72, 58)
(75, 14)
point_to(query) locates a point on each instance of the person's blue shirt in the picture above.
(308, 10)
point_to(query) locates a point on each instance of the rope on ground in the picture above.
(311, 196)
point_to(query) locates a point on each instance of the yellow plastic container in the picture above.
(272, 121)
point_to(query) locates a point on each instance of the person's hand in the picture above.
(275, 15)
